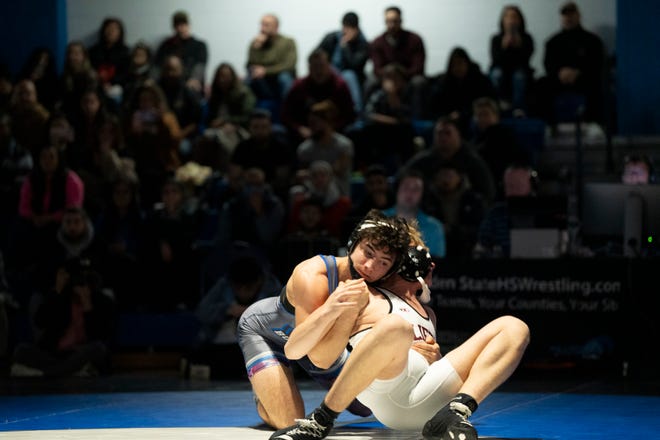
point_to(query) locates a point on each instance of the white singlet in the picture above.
(409, 400)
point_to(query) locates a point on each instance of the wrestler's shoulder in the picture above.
(320, 263)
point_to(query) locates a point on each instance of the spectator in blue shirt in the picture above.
(409, 193)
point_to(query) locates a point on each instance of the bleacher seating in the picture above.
(568, 107)
(530, 134)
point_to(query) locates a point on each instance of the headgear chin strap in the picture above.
(415, 266)
(354, 273)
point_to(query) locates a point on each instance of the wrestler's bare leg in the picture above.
(490, 356)
(278, 399)
(483, 362)
(393, 338)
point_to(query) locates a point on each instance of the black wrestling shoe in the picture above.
(450, 423)
(305, 429)
(358, 409)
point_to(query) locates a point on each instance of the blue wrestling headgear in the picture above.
(416, 265)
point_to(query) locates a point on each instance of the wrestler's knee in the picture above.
(277, 397)
(517, 330)
(394, 327)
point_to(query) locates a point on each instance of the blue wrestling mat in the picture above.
(506, 415)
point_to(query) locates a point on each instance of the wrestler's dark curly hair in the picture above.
(390, 234)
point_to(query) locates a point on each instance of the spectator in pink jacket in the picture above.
(45, 194)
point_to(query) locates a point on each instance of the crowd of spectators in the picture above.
(131, 159)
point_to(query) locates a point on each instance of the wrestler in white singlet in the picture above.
(409, 400)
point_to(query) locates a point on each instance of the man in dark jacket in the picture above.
(348, 52)
(574, 62)
(193, 52)
(404, 47)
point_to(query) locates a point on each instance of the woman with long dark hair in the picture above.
(41, 69)
(49, 189)
(110, 56)
(153, 135)
(510, 51)
(230, 104)
(46, 193)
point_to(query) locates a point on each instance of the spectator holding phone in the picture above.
(510, 51)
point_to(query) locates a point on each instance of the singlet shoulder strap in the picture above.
(333, 273)
(387, 294)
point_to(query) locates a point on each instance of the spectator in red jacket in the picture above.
(320, 84)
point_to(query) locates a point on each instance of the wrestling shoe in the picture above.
(358, 409)
(450, 423)
(308, 428)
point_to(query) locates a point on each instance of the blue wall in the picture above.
(27, 24)
(638, 67)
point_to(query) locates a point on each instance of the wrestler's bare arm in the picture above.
(341, 304)
(323, 322)
(429, 348)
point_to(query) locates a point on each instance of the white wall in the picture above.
(228, 26)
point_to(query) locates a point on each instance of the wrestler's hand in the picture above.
(429, 349)
(350, 294)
